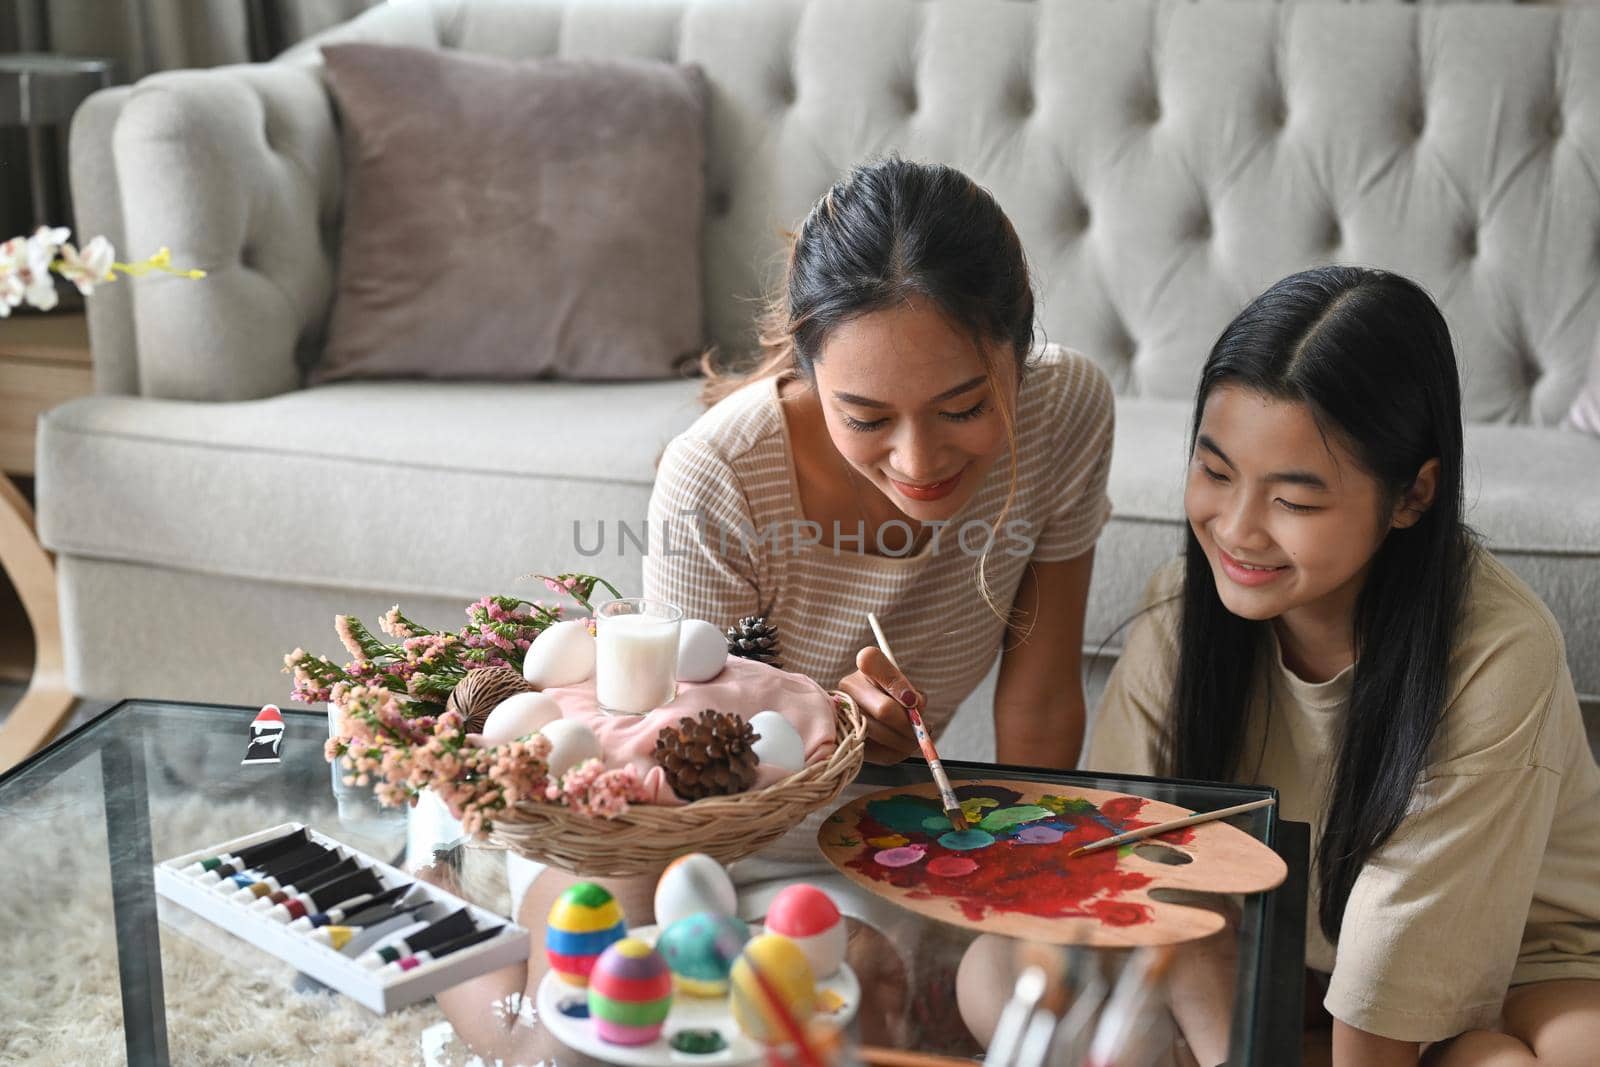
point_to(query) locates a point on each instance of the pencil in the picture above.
(1175, 824)
(947, 796)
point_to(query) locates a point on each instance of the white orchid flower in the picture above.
(13, 274)
(90, 267)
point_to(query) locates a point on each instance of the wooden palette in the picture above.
(897, 844)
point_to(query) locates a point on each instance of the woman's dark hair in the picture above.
(1369, 354)
(888, 231)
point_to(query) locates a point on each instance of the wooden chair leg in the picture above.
(47, 703)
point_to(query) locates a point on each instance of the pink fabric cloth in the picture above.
(744, 688)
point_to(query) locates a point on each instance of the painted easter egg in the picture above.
(571, 742)
(630, 993)
(519, 715)
(809, 917)
(702, 651)
(787, 973)
(562, 654)
(584, 921)
(779, 743)
(701, 949)
(691, 884)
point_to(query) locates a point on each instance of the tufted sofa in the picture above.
(1163, 162)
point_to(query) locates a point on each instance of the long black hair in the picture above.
(1369, 354)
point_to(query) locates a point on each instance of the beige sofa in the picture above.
(1163, 162)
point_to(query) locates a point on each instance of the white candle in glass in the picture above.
(636, 655)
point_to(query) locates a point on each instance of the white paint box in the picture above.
(381, 990)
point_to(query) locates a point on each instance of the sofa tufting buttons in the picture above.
(1469, 244)
(907, 94)
(1023, 100)
(721, 203)
(1200, 228)
(1152, 111)
(786, 91)
(1419, 122)
(1555, 125)
(1335, 235)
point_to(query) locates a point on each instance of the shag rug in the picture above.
(226, 1002)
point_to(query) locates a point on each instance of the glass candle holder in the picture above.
(636, 654)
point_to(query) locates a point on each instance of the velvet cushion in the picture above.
(507, 219)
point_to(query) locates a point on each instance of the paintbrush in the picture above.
(1174, 824)
(947, 796)
(726, 946)
(1132, 1026)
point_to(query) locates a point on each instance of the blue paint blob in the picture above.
(937, 823)
(966, 840)
(574, 1009)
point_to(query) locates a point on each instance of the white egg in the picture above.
(519, 715)
(562, 654)
(702, 651)
(692, 884)
(571, 742)
(780, 743)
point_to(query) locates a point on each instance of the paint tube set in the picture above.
(336, 914)
(1076, 1008)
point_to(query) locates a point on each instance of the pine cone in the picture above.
(754, 638)
(709, 756)
(476, 695)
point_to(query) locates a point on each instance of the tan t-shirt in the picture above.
(726, 499)
(1492, 879)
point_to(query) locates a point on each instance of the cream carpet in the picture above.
(226, 1002)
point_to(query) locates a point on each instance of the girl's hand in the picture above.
(883, 694)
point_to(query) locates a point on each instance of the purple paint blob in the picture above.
(966, 840)
(903, 856)
(952, 866)
(1038, 835)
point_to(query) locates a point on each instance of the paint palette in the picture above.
(838, 999)
(1010, 872)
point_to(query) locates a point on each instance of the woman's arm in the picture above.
(1358, 1048)
(1038, 701)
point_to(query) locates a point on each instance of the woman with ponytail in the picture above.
(1334, 630)
(902, 449)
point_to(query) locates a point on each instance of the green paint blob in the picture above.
(903, 814)
(937, 823)
(1005, 818)
(587, 894)
(966, 840)
(697, 1042)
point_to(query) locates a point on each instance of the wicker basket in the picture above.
(649, 836)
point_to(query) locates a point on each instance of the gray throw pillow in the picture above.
(515, 219)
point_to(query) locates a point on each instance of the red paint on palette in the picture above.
(1027, 873)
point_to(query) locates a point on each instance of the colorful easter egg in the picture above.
(809, 917)
(630, 993)
(691, 884)
(783, 966)
(701, 949)
(584, 921)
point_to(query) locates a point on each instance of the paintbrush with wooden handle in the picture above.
(1173, 824)
(947, 795)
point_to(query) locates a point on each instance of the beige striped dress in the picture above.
(728, 538)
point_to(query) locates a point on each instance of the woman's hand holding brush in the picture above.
(883, 695)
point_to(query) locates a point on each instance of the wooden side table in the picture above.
(44, 361)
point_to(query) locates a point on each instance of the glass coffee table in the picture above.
(98, 967)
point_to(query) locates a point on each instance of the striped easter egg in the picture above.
(630, 993)
(584, 921)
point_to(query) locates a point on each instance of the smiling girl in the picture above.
(1333, 630)
(902, 450)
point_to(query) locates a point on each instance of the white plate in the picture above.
(688, 1013)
